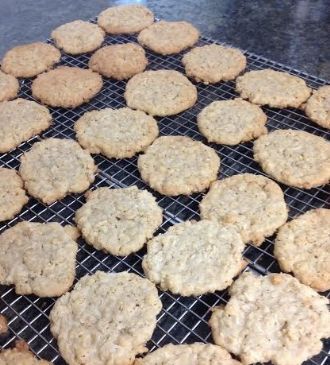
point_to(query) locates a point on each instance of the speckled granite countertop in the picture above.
(293, 32)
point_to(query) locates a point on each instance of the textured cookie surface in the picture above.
(38, 258)
(175, 165)
(16, 357)
(30, 60)
(62, 167)
(253, 204)
(20, 120)
(8, 87)
(106, 319)
(169, 37)
(318, 106)
(194, 258)
(295, 158)
(163, 92)
(78, 37)
(119, 221)
(302, 247)
(125, 19)
(119, 61)
(66, 87)
(12, 194)
(116, 133)
(274, 88)
(213, 63)
(271, 318)
(231, 121)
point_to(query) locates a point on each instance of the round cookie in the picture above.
(30, 60)
(253, 204)
(271, 318)
(21, 119)
(78, 37)
(302, 247)
(294, 158)
(194, 258)
(54, 168)
(214, 63)
(125, 19)
(175, 165)
(163, 92)
(231, 122)
(17, 357)
(119, 61)
(119, 221)
(274, 88)
(169, 37)
(116, 133)
(9, 87)
(106, 319)
(66, 87)
(318, 106)
(12, 194)
(193, 354)
(38, 258)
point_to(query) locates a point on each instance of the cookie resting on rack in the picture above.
(318, 106)
(14, 356)
(9, 87)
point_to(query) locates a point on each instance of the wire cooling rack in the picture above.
(182, 320)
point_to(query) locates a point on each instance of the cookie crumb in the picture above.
(3, 325)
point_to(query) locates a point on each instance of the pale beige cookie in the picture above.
(30, 60)
(116, 133)
(318, 106)
(119, 61)
(192, 354)
(271, 318)
(78, 37)
(231, 122)
(294, 158)
(119, 221)
(66, 87)
(9, 87)
(21, 119)
(20, 357)
(302, 247)
(213, 63)
(274, 88)
(38, 258)
(194, 258)
(169, 37)
(54, 168)
(12, 194)
(106, 319)
(162, 92)
(125, 19)
(253, 204)
(175, 165)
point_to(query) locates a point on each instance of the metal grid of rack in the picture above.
(182, 320)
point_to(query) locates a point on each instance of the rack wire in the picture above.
(182, 320)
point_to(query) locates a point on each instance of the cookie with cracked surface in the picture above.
(18, 357)
(302, 247)
(21, 119)
(168, 37)
(119, 221)
(253, 204)
(119, 61)
(318, 106)
(271, 318)
(38, 258)
(106, 319)
(295, 158)
(175, 165)
(274, 88)
(214, 63)
(231, 122)
(161, 93)
(125, 19)
(62, 166)
(194, 258)
(29, 60)
(66, 87)
(9, 87)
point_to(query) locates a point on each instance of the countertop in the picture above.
(293, 32)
